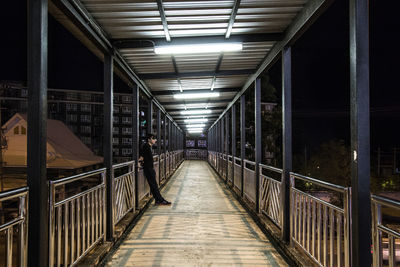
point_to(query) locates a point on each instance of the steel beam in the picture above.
(107, 143)
(242, 137)
(312, 10)
(235, 8)
(233, 123)
(163, 20)
(150, 42)
(165, 144)
(158, 132)
(287, 142)
(226, 145)
(175, 75)
(38, 227)
(194, 91)
(150, 117)
(258, 137)
(136, 139)
(360, 134)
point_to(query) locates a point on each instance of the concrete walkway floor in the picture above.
(204, 226)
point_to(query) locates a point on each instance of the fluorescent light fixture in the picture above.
(195, 95)
(195, 120)
(196, 111)
(198, 48)
(196, 131)
(195, 125)
(213, 83)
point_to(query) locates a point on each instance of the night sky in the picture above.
(320, 70)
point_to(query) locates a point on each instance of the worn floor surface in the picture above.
(205, 226)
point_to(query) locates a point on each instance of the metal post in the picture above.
(233, 117)
(107, 142)
(287, 141)
(165, 146)
(360, 134)
(159, 142)
(242, 137)
(38, 230)
(136, 139)
(150, 117)
(258, 133)
(226, 146)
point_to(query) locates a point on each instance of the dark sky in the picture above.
(320, 70)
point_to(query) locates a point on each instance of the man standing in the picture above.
(146, 155)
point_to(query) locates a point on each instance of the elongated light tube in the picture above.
(198, 48)
(195, 120)
(195, 131)
(196, 111)
(201, 125)
(196, 95)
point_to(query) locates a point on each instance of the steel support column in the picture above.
(258, 133)
(226, 145)
(360, 134)
(242, 137)
(38, 230)
(165, 146)
(136, 139)
(159, 141)
(287, 141)
(107, 142)
(233, 137)
(150, 117)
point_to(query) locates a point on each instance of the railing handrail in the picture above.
(270, 168)
(237, 158)
(334, 187)
(249, 162)
(123, 164)
(13, 193)
(73, 178)
(61, 202)
(386, 201)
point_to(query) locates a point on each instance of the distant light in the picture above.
(195, 120)
(195, 95)
(195, 116)
(195, 131)
(195, 125)
(198, 48)
(196, 112)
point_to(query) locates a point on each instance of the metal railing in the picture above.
(143, 186)
(18, 223)
(162, 170)
(230, 174)
(77, 223)
(249, 181)
(224, 165)
(384, 237)
(270, 194)
(167, 161)
(237, 175)
(321, 229)
(156, 164)
(195, 154)
(124, 191)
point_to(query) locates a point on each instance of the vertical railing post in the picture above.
(233, 138)
(38, 231)
(242, 137)
(165, 146)
(150, 117)
(360, 133)
(135, 139)
(159, 142)
(108, 134)
(258, 133)
(376, 235)
(347, 226)
(287, 141)
(226, 146)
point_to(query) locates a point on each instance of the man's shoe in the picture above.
(164, 202)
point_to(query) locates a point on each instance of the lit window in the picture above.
(23, 130)
(16, 130)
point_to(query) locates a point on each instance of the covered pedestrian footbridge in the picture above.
(227, 209)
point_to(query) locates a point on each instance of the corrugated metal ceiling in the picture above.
(142, 22)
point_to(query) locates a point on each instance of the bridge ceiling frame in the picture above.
(131, 30)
